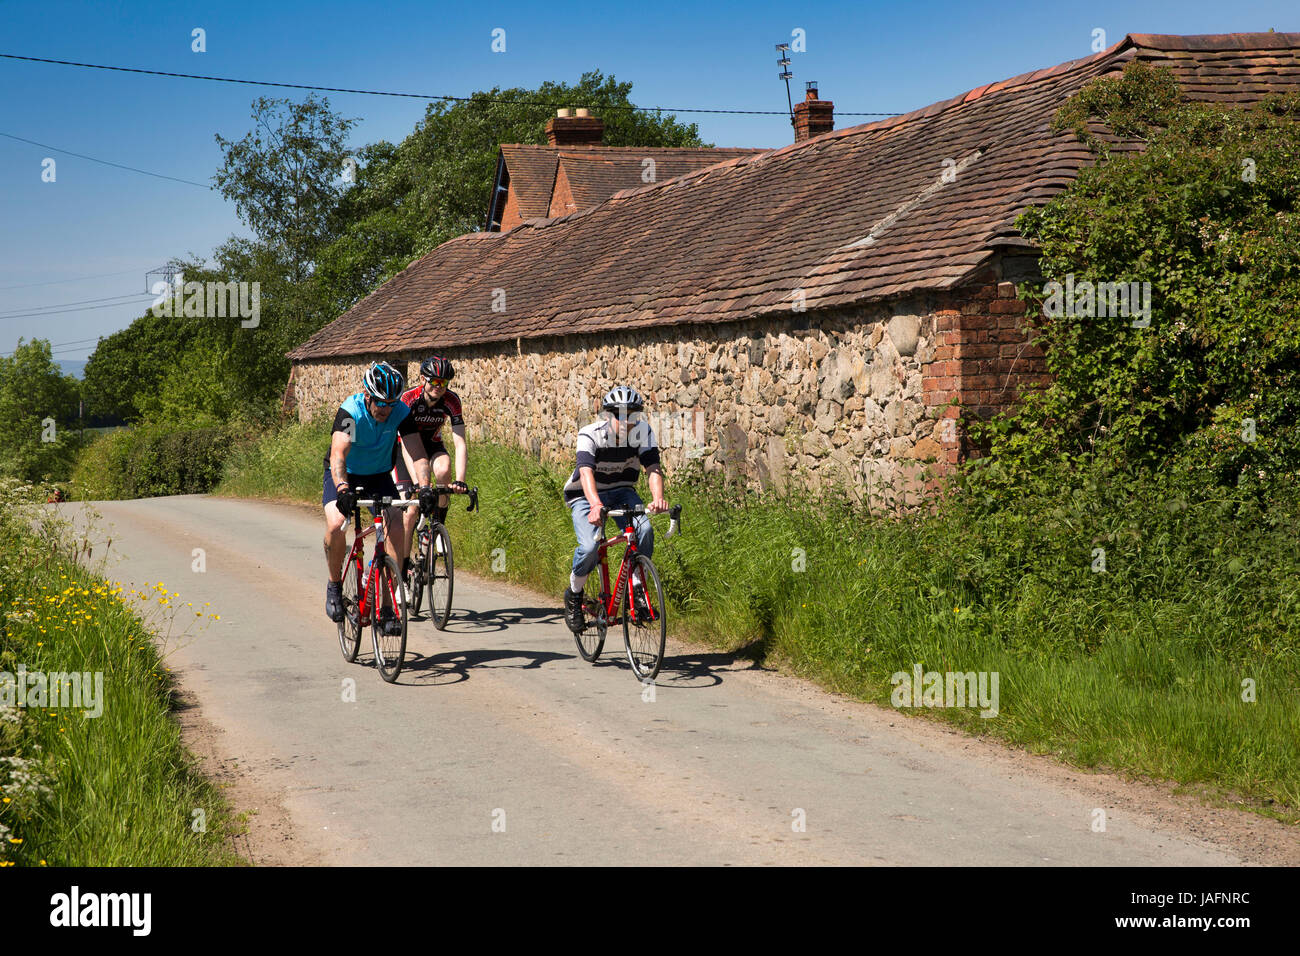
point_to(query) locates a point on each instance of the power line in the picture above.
(103, 275)
(87, 308)
(60, 305)
(414, 96)
(68, 152)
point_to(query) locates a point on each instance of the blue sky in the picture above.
(114, 225)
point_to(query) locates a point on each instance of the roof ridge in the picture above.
(934, 109)
(578, 148)
(1216, 41)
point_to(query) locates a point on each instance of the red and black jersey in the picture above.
(428, 417)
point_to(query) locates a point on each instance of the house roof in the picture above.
(594, 173)
(912, 203)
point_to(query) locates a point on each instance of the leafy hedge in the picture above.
(152, 459)
(1206, 211)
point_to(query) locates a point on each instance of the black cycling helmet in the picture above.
(383, 382)
(622, 396)
(437, 367)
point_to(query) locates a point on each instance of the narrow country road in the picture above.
(499, 745)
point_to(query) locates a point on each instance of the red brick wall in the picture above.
(562, 195)
(984, 357)
(510, 215)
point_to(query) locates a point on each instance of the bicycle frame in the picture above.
(379, 507)
(609, 596)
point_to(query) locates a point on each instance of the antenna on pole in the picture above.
(785, 74)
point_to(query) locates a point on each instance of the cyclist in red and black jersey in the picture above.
(432, 406)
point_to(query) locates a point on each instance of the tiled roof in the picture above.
(854, 215)
(595, 172)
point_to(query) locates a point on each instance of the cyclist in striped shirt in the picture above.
(611, 454)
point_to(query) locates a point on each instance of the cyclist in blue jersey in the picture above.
(366, 427)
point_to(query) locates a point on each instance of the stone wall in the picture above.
(856, 397)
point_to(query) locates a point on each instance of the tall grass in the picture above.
(1179, 660)
(116, 789)
(287, 464)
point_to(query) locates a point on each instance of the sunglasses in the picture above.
(385, 404)
(438, 382)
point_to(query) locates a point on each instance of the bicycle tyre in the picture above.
(419, 571)
(442, 576)
(390, 649)
(645, 643)
(591, 639)
(350, 626)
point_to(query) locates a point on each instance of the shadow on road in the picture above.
(452, 667)
(679, 672)
(466, 621)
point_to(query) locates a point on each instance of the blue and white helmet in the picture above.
(383, 382)
(622, 397)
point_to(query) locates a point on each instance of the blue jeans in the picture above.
(587, 554)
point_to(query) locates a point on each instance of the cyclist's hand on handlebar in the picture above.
(596, 516)
(428, 500)
(459, 487)
(346, 502)
(657, 507)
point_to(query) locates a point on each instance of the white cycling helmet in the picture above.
(622, 396)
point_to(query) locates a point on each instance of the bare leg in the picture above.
(410, 518)
(336, 541)
(442, 476)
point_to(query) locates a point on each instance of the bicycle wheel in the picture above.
(390, 649)
(442, 572)
(592, 638)
(644, 635)
(350, 626)
(419, 570)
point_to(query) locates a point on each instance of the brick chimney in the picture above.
(581, 129)
(812, 117)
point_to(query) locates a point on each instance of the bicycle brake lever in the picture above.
(674, 521)
(473, 500)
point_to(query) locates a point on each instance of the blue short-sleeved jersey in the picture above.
(371, 451)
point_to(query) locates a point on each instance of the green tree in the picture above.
(38, 409)
(285, 176)
(435, 185)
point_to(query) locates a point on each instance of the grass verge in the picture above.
(108, 782)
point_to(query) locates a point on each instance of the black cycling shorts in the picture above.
(404, 480)
(364, 486)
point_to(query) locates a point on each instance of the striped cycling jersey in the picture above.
(614, 465)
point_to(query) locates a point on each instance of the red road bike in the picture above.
(364, 604)
(637, 599)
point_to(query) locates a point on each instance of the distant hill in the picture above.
(71, 367)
